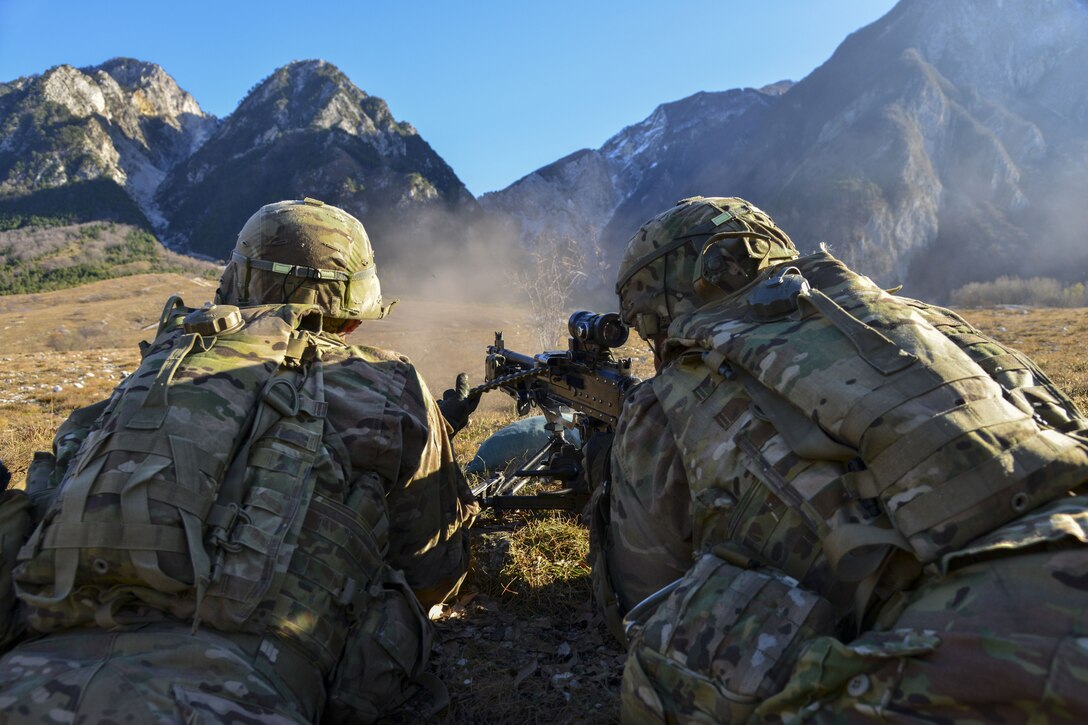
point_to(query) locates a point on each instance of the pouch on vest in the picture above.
(157, 508)
(948, 451)
(859, 676)
(383, 661)
(723, 640)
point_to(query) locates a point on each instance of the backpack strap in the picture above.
(872, 346)
(155, 406)
(173, 303)
(281, 398)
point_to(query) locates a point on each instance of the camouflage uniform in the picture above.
(757, 616)
(382, 458)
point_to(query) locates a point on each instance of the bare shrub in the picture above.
(1033, 291)
(557, 268)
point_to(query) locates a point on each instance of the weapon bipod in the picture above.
(558, 460)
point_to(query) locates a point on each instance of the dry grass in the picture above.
(39, 389)
(1056, 338)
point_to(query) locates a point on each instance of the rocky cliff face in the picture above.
(125, 121)
(944, 143)
(306, 130)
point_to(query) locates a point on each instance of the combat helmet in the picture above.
(304, 251)
(701, 248)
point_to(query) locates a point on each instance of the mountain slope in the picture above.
(306, 130)
(944, 143)
(123, 121)
(634, 171)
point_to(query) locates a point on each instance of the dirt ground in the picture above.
(521, 643)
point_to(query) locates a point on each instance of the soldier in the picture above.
(833, 504)
(251, 527)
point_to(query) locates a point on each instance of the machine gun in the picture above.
(580, 388)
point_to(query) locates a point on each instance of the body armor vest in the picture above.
(851, 425)
(205, 490)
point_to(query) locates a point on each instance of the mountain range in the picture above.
(942, 144)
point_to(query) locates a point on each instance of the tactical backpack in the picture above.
(946, 434)
(198, 492)
(834, 438)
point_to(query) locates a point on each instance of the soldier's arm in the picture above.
(430, 506)
(648, 542)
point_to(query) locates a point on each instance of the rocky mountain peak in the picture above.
(307, 130)
(316, 95)
(131, 73)
(124, 120)
(150, 89)
(71, 89)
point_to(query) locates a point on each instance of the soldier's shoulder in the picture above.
(362, 366)
(641, 394)
(365, 354)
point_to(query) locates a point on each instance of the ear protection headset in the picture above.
(730, 259)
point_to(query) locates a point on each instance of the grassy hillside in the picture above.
(41, 255)
(84, 201)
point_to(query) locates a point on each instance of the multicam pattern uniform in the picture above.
(386, 454)
(756, 629)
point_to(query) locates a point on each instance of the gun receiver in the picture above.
(581, 388)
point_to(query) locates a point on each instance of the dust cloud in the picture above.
(460, 278)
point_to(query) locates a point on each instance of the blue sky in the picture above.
(498, 88)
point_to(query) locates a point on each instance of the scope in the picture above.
(600, 329)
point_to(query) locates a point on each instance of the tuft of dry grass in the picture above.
(534, 563)
(547, 567)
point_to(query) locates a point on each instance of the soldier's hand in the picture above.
(456, 405)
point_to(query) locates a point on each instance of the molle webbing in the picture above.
(151, 509)
(135, 500)
(949, 452)
(327, 587)
(782, 505)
